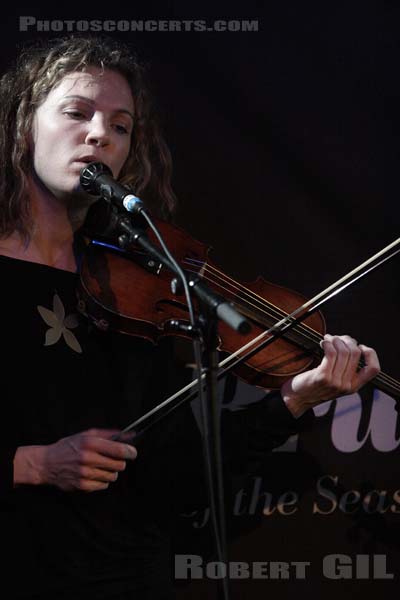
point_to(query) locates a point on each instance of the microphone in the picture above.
(97, 179)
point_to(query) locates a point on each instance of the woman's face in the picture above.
(87, 117)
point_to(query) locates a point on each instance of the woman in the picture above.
(67, 388)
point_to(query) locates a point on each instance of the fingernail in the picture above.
(130, 452)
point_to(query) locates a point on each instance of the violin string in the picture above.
(275, 312)
(334, 288)
(311, 334)
(307, 332)
(235, 358)
(382, 377)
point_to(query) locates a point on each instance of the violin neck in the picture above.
(387, 384)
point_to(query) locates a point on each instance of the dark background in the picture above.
(285, 147)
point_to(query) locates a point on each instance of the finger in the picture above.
(101, 433)
(371, 368)
(349, 354)
(117, 450)
(102, 475)
(96, 460)
(89, 485)
(348, 340)
(328, 362)
(342, 359)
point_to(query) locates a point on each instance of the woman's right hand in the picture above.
(88, 461)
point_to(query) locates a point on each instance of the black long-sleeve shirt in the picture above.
(61, 376)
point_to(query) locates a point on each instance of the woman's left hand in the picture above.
(338, 374)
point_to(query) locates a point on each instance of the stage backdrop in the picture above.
(285, 145)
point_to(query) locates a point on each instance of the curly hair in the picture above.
(38, 70)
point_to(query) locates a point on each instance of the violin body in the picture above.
(127, 292)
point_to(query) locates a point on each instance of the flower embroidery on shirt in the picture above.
(60, 325)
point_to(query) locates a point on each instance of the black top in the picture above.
(61, 376)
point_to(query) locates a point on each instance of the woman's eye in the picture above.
(75, 114)
(121, 129)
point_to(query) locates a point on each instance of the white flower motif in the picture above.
(60, 325)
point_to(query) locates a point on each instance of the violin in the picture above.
(129, 292)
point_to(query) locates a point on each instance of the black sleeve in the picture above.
(173, 448)
(9, 443)
(249, 434)
(247, 437)
(7, 471)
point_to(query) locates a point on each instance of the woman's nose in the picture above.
(98, 134)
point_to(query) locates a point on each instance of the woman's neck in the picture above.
(52, 239)
(39, 249)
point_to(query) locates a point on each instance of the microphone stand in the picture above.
(212, 308)
(211, 420)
